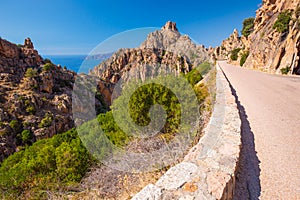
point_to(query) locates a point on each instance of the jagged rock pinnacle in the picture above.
(28, 44)
(170, 26)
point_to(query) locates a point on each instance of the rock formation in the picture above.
(136, 61)
(269, 50)
(170, 26)
(234, 41)
(22, 56)
(137, 64)
(35, 95)
(165, 50)
(169, 39)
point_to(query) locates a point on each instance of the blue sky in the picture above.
(77, 26)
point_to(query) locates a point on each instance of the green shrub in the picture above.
(282, 23)
(149, 94)
(285, 70)
(30, 109)
(48, 67)
(48, 164)
(69, 161)
(27, 136)
(47, 61)
(26, 124)
(201, 92)
(152, 94)
(248, 26)
(30, 73)
(14, 124)
(44, 99)
(111, 129)
(204, 68)
(27, 102)
(46, 121)
(194, 76)
(244, 58)
(235, 53)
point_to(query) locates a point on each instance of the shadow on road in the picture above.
(247, 176)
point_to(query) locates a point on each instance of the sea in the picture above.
(76, 63)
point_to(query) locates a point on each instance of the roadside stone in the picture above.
(177, 176)
(187, 197)
(150, 192)
(190, 187)
(216, 183)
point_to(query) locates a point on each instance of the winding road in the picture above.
(270, 111)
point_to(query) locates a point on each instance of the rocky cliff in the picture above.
(163, 50)
(274, 44)
(136, 61)
(271, 50)
(35, 97)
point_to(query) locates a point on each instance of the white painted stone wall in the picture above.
(208, 170)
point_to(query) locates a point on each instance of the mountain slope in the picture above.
(274, 43)
(35, 97)
(271, 50)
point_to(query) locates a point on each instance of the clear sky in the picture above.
(77, 26)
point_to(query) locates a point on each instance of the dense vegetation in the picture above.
(282, 23)
(197, 73)
(61, 161)
(194, 76)
(235, 53)
(142, 98)
(100, 136)
(248, 26)
(151, 94)
(201, 90)
(47, 164)
(244, 58)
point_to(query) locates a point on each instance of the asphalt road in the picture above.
(270, 105)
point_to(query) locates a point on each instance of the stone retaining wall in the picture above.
(208, 170)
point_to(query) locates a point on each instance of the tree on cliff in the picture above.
(248, 26)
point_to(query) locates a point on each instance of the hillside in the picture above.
(272, 43)
(36, 97)
(36, 117)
